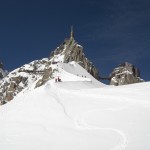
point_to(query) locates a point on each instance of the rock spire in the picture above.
(70, 50)
(71, 33)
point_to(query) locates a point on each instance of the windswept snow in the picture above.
(78, 113)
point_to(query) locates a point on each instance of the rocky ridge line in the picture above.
(29, 76)
(125, 73)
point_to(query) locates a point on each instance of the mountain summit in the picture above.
(59, 105)
(68, 58)
(69, 51)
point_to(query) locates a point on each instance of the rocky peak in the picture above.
(38, 72)
(1, 65)
(3, 72)
(70, 50)
(27, 77)
(125, 73)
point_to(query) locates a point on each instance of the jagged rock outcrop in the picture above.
(31, 74)
(125, 73)
(3, 72)
(72, 51)
(46, 76)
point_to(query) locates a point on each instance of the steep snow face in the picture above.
(74, 72)
(77, 115)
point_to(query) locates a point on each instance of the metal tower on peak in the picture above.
(71, 33)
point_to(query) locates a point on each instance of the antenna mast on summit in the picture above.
(72, 33)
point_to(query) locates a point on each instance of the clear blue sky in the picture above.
(111, 31)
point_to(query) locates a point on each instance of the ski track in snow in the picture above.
(80, 120)
(55, 93)
(82, 124)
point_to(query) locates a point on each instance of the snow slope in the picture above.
(74, 72)
(77, 114)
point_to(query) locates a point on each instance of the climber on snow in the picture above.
(57, 79)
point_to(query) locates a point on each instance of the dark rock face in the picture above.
(3, 72)
(74, 52)
(125, 73)
(46, 76)
(1, 65)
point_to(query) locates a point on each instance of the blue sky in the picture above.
(111, 31)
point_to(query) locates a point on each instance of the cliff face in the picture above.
(70, 50)
(125, 73)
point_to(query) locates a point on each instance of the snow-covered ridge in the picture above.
(21, 78)
(69, 55)
(38, 72)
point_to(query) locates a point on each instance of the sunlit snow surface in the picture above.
(77, 114)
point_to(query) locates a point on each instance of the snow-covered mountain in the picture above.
(69, 51)
(38, 72)
(78, 113)
(59, 105)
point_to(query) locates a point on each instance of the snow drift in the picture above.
(78, 113)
